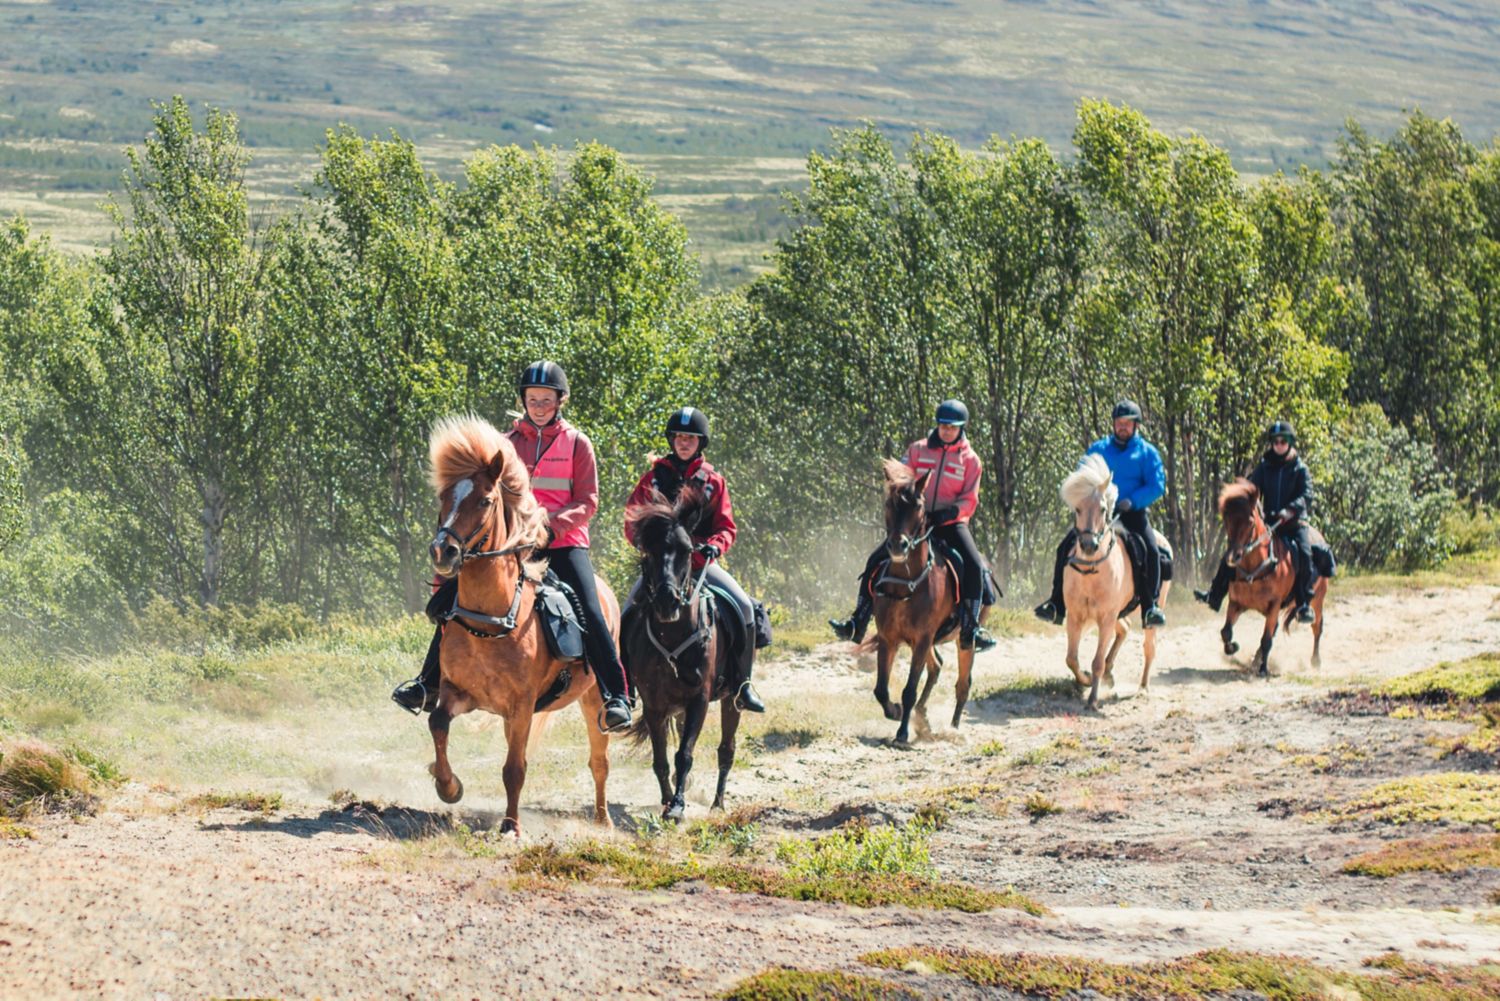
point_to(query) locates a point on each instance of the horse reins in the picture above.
(694, 597)
(910, 583)
(1267, 563)
(1087, 566)
(506, 623)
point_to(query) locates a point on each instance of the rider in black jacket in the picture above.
(1285, 493)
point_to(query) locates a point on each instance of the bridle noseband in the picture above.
(908, 544)
(1083, 564)
(1267, 563)
(694, 599)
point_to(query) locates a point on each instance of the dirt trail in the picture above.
(1180, 830)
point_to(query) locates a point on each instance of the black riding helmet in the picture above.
(544, 375)
(1127, 408)
(1282, 429)
(688, 420)
(952, 412)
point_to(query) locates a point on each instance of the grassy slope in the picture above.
(721, 101)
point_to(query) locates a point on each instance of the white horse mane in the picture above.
(1092, 476)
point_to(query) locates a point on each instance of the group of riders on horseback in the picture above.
(564, 481)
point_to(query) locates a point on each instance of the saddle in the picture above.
(1323, 563)
(563, 620)
(1135, 549)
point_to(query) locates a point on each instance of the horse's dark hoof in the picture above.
(1231, 648)
(674, 811)
(958, 717)
(892, 711)
(1263, 672)
(510, 828)
(452, 795)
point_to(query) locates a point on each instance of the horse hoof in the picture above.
(1231, 648)
(510, 829)
(674, 811)
(452, 794)
(1317, 661)
(1109, 681)
(1264, 672)
(892, 712)
(958, 717)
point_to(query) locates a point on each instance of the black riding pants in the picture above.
(1148, 587)
(572, 565)
(956, 537)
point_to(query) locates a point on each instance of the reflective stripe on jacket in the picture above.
(560, 459)
(954, 475)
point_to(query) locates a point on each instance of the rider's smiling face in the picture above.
(541, 404)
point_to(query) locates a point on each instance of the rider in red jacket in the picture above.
(687, 434)
(952, 497)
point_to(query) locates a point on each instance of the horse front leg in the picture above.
(1121, 630)
(729, 724)
(1317, 629)
(692, 725)
(517, 731)
(961, 690)
(1268, 634)
(449, 788)
(590, 706)
(919, 654)
(1231, 616)
(1075, 637)
(656, 726)
(1148, 645)
(884, 652)
(1105, 632)
(934, 668)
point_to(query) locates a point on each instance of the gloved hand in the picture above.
(709, 551)
(942, 515)
(1285, 514)
(1124, 505)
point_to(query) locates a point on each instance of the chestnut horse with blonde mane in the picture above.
(494, 656)
(915, 596)
(1099, 588)
(1265, 572)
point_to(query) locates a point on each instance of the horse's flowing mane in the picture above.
(463, 446)
(1238, 498)
(1091, 476)
(652, 520)
(898, 476)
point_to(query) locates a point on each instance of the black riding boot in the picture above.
(970, 633)
(420, 694)
(1214, 596)
(746, 698)
(853, 628)
(1052, 610)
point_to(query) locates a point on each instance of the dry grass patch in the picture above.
(36, 777)
(801, 985)
(1447, 797)
(1447, 854)
(1216, 972)
(251, 802)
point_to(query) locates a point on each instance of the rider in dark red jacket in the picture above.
(687, 434)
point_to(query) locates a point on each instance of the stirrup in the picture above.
(1305, 614)
(842, 628)
(983, 640)
(1204, 597)
(1153, 617)
(412, 685)
(618, 727)
(1048, 612)
(747, 699)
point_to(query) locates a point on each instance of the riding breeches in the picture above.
(572, 566)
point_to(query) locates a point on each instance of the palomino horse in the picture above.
(677, 647)
(1100, 588)
(1265, 572)
(915, 597)
(494, 656)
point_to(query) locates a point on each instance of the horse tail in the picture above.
(640, 731)
(539, 724)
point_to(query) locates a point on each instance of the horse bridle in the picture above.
(694, 597)
(1091, 566)
(1267, 563)
(910, 583)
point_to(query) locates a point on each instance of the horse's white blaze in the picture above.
(461, 489)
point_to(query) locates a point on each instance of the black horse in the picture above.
(677, 646)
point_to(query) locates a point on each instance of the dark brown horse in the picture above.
(1265, 571)
(677, 647)
(494, 656)
(915, 596)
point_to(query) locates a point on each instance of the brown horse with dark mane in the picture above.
(916, 603)
(677, 645)
(494, 656)
(1265, 572)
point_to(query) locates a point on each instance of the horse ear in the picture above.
(496, 467)
(920, 483)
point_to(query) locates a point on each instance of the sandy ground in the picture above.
(1184, 826)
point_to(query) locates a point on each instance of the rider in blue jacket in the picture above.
(1141, 479)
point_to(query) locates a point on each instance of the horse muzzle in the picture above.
(447, 558)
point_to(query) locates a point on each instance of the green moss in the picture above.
(1448, 854)
(11, 831)
(800, 985)
(1278, 978)
(1448, 797)
(1474, 679)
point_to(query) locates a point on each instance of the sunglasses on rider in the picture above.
(1278, 440)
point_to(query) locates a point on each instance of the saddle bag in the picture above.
(762, 626)
(1323, 562)
(561, 621)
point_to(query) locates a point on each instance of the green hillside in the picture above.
(720, 100)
